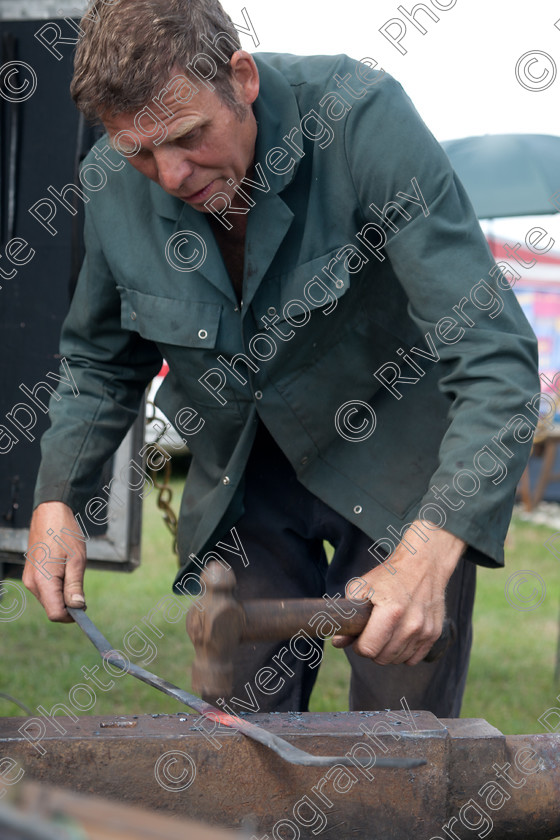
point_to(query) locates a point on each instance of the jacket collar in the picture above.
(277, 113)
(164, 204)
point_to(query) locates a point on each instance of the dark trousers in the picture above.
(282, 531)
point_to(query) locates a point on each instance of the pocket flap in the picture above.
(310, 284)
(169, 320)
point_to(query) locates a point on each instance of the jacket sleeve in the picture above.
(488, 366)
(111, 367)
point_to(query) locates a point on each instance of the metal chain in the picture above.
(165, 494)
(165, 497)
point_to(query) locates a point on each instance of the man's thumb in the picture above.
(73, 591)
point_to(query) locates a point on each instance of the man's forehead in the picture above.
(179, 106)
(146, 125)
(180, 93)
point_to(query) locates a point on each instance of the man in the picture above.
(343, 352)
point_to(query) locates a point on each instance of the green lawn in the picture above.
(511, 681)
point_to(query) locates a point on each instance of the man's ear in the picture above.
(245, 76)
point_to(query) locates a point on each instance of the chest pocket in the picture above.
(310, 284)
(170, 321)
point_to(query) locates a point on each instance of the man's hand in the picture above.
(59, 581)
(409, 605)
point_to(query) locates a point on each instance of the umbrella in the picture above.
(508, 174)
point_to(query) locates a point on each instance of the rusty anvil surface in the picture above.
(237, 779)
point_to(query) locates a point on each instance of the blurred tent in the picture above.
(509, 174)
(538, 292)
(512, 175)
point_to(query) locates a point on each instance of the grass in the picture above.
(511, 680)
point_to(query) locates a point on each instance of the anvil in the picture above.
(477, 782)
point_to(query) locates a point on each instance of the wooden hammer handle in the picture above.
(276, 620)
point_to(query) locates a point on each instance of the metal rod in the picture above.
(287, 751)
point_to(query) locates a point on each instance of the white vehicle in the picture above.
(158, 428)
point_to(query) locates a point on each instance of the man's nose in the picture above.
(173, 168)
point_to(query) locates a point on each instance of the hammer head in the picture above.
(215, 625)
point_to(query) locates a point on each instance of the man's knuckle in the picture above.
(416, 628)
(396, 613)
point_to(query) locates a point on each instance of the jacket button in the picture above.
(339, 284)
(227, 480)
(258, 395)
(271, 310)
(358, 509)
(304, 460)
(202, 334)
(133, 316)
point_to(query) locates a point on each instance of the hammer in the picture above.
(219, 624)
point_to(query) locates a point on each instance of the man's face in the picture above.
(206, 144)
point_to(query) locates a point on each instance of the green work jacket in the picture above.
(383, 369)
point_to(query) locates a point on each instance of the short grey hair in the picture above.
(129, 47)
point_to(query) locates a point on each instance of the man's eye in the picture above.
(190, 138)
